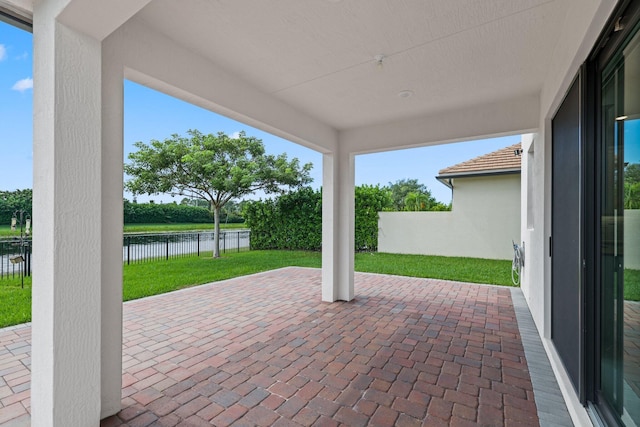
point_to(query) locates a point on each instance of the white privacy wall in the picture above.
(484, 220)
(631, 244)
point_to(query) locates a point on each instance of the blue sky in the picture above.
(152, 115)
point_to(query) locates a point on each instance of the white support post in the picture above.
(338, 215)
(112, 225)
(68, 213)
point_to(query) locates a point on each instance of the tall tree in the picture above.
(215, 168)
(632, 186)
(401, 189)
(11, 201)
(418, 201)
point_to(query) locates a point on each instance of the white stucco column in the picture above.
(74, 182)
(111, 231)
(338, 215)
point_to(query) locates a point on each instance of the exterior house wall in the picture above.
(580, 32)
(485, 218)
(631, 244)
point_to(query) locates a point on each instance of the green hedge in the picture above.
(370, 200)
(291, 221)
(294, 220)
(11, 201)
(134, 213)
(152, 213)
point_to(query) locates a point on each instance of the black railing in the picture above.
(137, 248)
(146, 247)
(11, 266)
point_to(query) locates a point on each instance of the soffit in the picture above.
(17, 12)
(318, 55)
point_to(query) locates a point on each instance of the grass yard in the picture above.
(632, 285)
(15, 302)
(153, 278)
(158, 277)
(164, 228)
(5, 231)
(474, 270)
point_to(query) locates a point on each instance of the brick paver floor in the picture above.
(632, 347)
(15, 361)
(264, 350)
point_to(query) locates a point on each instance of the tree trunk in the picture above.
(216, 232)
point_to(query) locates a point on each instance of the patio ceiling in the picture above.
(318, 56)
(307, 71)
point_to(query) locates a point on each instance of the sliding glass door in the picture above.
(619, 282)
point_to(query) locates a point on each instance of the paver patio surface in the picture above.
(264, 350)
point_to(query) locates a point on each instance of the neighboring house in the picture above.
(483, 221)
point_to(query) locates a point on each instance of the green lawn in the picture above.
(158, 277)
(632, 285)
(15, 302)
(144, 279)
(474, 270)
(153, 278)
(5, 231)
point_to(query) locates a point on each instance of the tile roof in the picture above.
(503, 160)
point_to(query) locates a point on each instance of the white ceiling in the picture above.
(318, 55)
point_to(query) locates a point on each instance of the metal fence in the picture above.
(9, 250)
(138, 248)
(146, 247)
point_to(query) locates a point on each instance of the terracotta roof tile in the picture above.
(500, 160)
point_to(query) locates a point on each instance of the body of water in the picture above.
(144, 247)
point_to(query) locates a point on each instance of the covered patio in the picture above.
(264, 350)
(345, 78)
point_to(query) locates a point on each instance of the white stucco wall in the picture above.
(631, 241)
(533, 227)
(484, 220)
(580, 31)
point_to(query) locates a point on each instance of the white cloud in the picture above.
(24, 84)
(22, 57)
(235, 135)
(3, 52)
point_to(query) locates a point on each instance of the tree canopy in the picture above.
(418, 201)
(411, 195)
(401, 189)
(11, 201)
(215, 168)
(632, 186)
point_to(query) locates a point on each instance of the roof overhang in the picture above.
(18, 13)
(447, 179)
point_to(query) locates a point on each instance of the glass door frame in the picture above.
(627, 15)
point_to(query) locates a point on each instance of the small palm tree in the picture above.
(417, 202)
